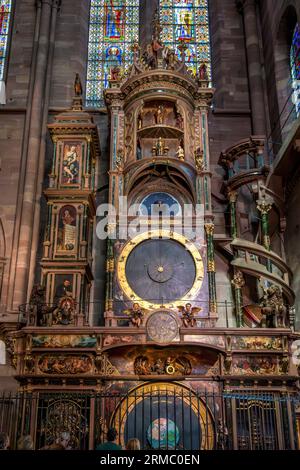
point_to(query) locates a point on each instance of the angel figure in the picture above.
(188, 315)
(180, 153)
(160, 114)
(136, 314)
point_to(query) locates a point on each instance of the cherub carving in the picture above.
(188, 315)
(136, 314)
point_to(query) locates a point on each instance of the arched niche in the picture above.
(171, 177)
(158, 116)
(286, 114)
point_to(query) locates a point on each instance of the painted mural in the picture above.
(64, 341)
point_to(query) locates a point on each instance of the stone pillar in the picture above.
(110, 267)
(238, 283)
(232, 196)
(211, 270)
(248, 8)
(31, 180)
(264, 208)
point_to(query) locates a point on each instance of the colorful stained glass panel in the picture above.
(5, 15)
(187, 21)
(295, 68)
(114, 27)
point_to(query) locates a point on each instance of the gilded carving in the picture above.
(104, 366)
(171, 366)
(209, 228)
(264, 206)
(238, 280)
(199, 159)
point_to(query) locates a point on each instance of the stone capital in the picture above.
(264, 206)
(209, 228)
(232, 196)
(238, 280)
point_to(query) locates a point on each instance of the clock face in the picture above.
(162, 327)
(159, 271)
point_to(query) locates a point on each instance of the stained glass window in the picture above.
(187, 21)
(5, 14)
(295, 68)
(114, 27)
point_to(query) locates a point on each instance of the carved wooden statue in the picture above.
(272, 307)
(180, 153)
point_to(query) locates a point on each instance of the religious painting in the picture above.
(67, 229)
(70, 169)
(114, 19)
(64, 341)
(257, 342)
(255, 365)
(63, 286)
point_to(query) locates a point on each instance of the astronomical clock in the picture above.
(159, 360)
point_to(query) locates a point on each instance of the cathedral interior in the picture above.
(184, 333)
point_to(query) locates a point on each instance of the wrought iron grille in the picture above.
(161, 416)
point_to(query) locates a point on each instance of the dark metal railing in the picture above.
(162, 416)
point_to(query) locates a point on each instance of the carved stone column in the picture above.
(110, 268)
(264, 208)
(211, 269)
(238, 283)
(232, 196)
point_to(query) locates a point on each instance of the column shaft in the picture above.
(254, 68)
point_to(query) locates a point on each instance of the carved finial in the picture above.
(77, 85)
(156, 26)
